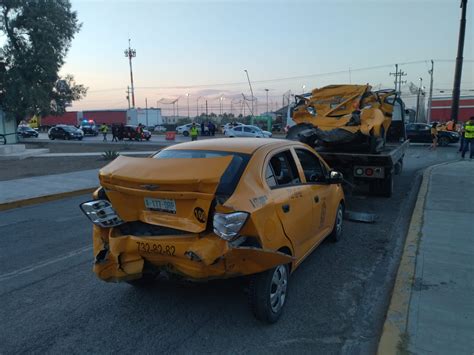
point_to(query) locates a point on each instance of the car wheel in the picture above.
(80, 139)
(444, 141)
(148, 138)
(268, 293)
(51, 137)
(66, 137)
(185, 133)
(336, 232)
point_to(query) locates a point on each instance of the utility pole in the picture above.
(418, 102)
(398, 78)
(428, 118)
(267, 100)
(128, 96)
(146, 111)
(207, 114)
(131, 53)
(187, 96)
(177, 107)
(459, 61)
(251, 91)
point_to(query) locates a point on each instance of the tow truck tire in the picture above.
(398, 168)
(268, 293)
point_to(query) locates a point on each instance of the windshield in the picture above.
(69, 128)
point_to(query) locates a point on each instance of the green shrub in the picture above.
(110, 155)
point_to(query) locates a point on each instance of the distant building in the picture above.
(441, 108)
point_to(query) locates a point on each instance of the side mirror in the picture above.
(335, 177)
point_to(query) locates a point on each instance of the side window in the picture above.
(284, 169)
(269, 177)
(247, 129)
(238, 129)
(314, 171)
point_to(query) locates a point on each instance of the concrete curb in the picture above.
(394, 337)
(52, 197)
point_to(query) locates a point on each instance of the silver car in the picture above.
(247, 131)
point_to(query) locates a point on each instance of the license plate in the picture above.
(162, 205)
(156, 248)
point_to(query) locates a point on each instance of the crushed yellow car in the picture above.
(216, 208)
(344, 116)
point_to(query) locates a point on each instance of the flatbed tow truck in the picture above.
(360, 167)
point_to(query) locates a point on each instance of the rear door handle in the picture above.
(316, 199)
(285, 208)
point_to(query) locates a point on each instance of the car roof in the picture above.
(237, 145)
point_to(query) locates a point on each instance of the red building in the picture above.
(69, 118)
(441, 108)
(106, 116)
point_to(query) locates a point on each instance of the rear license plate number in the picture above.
(162, 205)
(155, 248)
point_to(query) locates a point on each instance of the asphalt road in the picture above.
(52, 302)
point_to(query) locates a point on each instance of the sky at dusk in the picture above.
(202, 48)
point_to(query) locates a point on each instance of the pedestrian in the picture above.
(114, 133)
(460, 129)
(434, 136)
(104, 129)
(121, 130)
(194, 132)
(468, 138)
(202, 128)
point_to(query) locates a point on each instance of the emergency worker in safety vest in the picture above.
(104, 129)
(469, 138)
(194, 132)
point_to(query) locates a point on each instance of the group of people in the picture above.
(118, 132)
(466, 132)
(208, 129)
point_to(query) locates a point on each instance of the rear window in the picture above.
(231, 176)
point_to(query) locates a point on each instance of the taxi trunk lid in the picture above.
(175, 193)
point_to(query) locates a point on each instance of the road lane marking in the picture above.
(34, 267)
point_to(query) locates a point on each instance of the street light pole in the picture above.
(146, 111)
(187, 95)
(267, 100)
(131, 53)
(197, 106)
(458, 70)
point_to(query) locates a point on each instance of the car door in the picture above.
(323, 206)
(237, 132)
(424, 133)
(248, 132)
(411, 132)
(291, 199)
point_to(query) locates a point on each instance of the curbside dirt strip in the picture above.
(394, 334)
(40, 199)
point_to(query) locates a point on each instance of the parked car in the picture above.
(159, 128)
(276, 127)
(26, 132)
(247, 131)
(230, 125)
(89, 129)
(258, 208)
(130, 132)
(65, 132)
(185, 129)
(421, 133)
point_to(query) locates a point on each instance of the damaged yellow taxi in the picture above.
(216, 208)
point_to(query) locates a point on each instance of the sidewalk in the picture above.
(22, 192)
(432, 306)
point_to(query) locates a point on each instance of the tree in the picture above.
(38, 35)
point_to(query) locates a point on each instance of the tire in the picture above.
(3, 139)
(267, 306)
(66, 137)
(148, 138)
(51, 137)
(336, 233)
(185, 133)
(444, 141)
(398, 168)
(79, 139)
